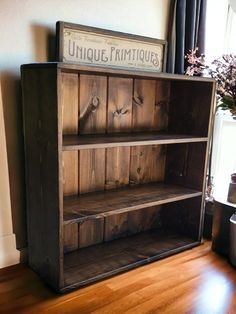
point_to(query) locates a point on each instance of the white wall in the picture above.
(26, 27)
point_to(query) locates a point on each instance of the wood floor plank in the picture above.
(194, 281)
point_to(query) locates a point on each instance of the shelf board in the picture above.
(106, 203)
(88, 141)
(102, 260)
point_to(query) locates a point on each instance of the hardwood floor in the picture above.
(197, 281)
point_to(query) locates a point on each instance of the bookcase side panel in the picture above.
(44, 212)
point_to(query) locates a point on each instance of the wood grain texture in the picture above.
(117, 167)
(70, 172)
(143, 105)
(106, 203)
(91, 170)
(153, 288)
(119, 104)
(69, 97)
(162, 103)
(91, 232)
(73, 142)
(93, 94)
(71, 241)
(69, 91)
(147, 164)
(102, 260)
(44, 207)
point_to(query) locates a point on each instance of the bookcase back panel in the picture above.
(70, 169)
(92, 104)
(117, 167)
(161, 109)
(190, 106)
(91, 232)
(185, 164)
(69, 102)
(183, 216)
(144, 105)
(147, 164)
(91, 170)
(120, 92)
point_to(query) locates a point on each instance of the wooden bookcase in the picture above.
(115, 168)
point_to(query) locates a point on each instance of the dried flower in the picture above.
(225, 75)
(197, 64)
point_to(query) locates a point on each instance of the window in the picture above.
(220, 39)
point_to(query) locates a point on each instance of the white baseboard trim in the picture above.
(9, 255)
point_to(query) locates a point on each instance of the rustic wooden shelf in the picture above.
(106, 203)
(75, 142)
(99, 261)
(97, 149)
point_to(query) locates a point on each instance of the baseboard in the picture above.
(9, 255)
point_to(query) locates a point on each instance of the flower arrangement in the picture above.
(223, 71)
(197, 64)
(225, 75)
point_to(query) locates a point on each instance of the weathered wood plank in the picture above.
(71, 241)
(147, 164)
(91, 170)
(44, 207)
(116, 226)
(117, 167)
(91, 232)
(143, 105)
(73, 142)
(119, 104)
(69, 92)
(162, 104)
(105, 203)
(69, 96)
(102, 260)
(93, 94)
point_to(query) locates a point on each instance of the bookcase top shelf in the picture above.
(106, 203)
(90, 69)
(74, 142)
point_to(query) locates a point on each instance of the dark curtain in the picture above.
(186, 31)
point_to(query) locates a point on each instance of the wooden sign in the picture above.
(100, 47)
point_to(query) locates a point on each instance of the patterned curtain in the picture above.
(186, 31)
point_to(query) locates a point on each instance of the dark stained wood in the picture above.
(192, 111)
(117, 167)
(70, 172)
(44, 207)
(103, 260)
(71, 237)
(70, 159)
(162, 103)
(93, 70)
(143, 105)
(147, 164)
(91, 170)
(69, 96)
(93, 93)
(119, 112)
(144, 219)
(106, 203)
(184, 163)
(91, 232)
(74, 142)
(116, 226)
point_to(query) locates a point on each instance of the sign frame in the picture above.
(109, 48)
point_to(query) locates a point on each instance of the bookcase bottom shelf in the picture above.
(99, 261)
